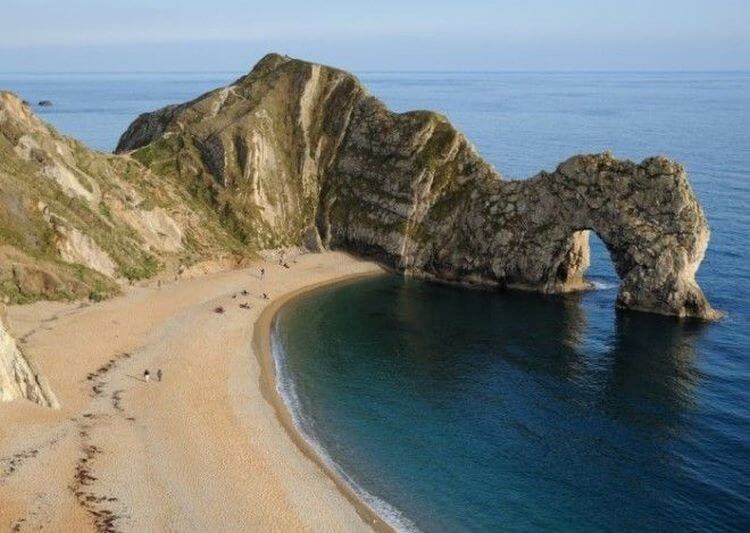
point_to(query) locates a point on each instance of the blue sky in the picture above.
(178, 35)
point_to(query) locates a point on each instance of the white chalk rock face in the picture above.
(18, 378)
(77, 247)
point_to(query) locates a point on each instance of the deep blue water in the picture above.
(472, 410)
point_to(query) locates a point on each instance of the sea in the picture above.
(450, 409)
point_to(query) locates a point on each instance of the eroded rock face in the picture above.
(18, 378)
(75, 222)
(294, 146)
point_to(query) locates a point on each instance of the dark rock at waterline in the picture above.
(45, 103)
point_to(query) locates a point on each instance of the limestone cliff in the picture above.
(298, 152)
(73, 221)
(18, 378)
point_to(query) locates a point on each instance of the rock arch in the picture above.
(646, 215)
(650, 221)
(330, 164)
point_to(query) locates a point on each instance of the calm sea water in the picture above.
(468, 410)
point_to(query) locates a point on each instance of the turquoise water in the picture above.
(479, 411)
(467, 410)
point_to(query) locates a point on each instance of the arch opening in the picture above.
(601, 273)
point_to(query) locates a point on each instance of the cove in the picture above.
(471, 410)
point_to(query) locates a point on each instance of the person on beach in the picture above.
(265, 296)
(158, 375)
(146, 376)
(262, 273)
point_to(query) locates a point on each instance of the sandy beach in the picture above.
(210, 447)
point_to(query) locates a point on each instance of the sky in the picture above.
(230, 35)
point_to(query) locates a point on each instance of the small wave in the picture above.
(287, 389)
(600, 285)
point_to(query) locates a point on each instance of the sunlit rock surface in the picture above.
(18, 378)
(76, 223)
(294, 149)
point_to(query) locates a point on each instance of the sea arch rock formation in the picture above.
(647, 216)
(297, 152)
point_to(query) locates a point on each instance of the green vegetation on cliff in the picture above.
(74, 221)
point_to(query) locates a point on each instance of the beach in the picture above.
(207, 448)
(458, 409)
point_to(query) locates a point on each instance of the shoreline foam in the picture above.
(287, 391)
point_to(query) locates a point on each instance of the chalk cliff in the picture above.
(297, 152)
(18, 378)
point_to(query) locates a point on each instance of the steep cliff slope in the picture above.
(18, 378)
(297, 152)
(74, 221)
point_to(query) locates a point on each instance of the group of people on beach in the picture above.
(159, 374)
(282, 263)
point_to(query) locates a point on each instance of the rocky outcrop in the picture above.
(75, 223)
(296, 152)
(18, 378)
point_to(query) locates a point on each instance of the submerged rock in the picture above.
(295, 145)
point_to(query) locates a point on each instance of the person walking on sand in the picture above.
(158, 375)
(262, 273)
(146, 376)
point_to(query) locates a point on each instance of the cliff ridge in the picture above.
(297, 151)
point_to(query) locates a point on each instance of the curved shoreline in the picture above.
(262, 332)
(201, 450)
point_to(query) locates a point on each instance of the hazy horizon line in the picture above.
(409, 71)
